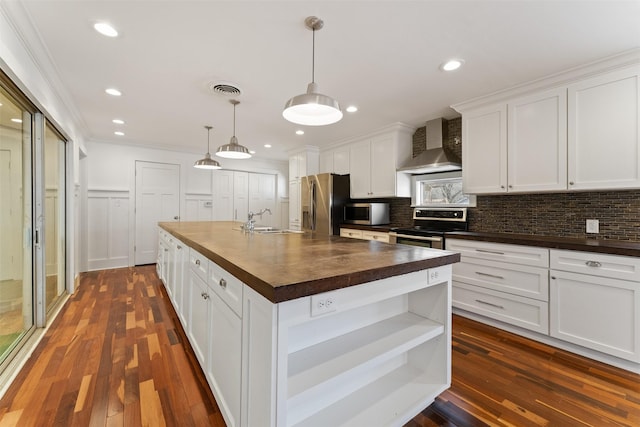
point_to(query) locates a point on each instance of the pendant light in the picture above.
(233, 150)
(312, 108)
(207, 162)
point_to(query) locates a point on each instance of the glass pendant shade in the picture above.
(207, 162)
(233, 150)
(312, 108)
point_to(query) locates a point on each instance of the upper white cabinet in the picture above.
(373, 162)
(303, 163)
(335, 161)
(604, 149)
(519, 146)
(484, 133)
(581, 135)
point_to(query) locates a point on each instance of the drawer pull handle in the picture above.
(223, 283)
(480, 273)
(204, 295)
(179, 247)
(490, 304)
(197, 262)
(487, 251)
(593, 264)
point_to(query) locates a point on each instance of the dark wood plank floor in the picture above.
(116, 356)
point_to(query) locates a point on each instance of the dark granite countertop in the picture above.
(283, 267)
(612, 247)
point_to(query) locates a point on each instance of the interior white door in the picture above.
(157, 200)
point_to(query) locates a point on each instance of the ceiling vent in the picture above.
(225, 89)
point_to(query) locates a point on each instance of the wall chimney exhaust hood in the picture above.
(435, 158)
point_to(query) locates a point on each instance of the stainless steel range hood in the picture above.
(435, 158)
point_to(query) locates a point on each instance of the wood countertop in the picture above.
(612, 247)
(283, 267)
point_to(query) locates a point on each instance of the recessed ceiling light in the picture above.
(267, 145)
(118, 121)
(452, 64)
(113, 92)
(0, 104)
(119, 133)
(352, 109)
(252, 152)
(16, 120)
(105, 29)
(299, 132)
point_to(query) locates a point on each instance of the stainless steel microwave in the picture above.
(366, 213)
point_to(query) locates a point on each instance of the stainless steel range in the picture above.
(429, 226)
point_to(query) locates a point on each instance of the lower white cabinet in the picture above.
(352, 233)
(596, 310)
(509, 283)
(198, 322)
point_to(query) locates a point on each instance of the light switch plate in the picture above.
(593, 226)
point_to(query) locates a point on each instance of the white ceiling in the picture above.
(382, 56)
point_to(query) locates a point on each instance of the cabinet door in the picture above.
(198, 322)
(326, 162)
(383, 166)
(537, 142)
(360, 167)
(604, 151)
(485, 150)
(341, 161)
(240, 196)
(295, 211)
(226, 359)
(222, 195)
(182, 263)
(596, 312)
(262, 194)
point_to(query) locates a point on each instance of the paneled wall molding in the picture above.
(108, 241)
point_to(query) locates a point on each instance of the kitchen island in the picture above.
(294, 329)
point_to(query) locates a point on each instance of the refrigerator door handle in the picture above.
(312, 205)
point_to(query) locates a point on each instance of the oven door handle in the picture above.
(410, 236)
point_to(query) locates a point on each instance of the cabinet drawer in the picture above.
(375, 235)
(198, 264)
(522, 280)
(226, 286)
(615, 266)
(523, 312)
(348, 232)
(517, 254)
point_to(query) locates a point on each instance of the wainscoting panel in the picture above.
(198, 207)
(108, 218)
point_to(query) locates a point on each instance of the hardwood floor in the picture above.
(116, 356)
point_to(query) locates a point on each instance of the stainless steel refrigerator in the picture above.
(323, 197)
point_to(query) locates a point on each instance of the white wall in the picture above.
(110, 196)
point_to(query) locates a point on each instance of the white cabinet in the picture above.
(231, 195)
(351, 233)
(509, 283)
(579, 136)
(295, 209)
(181, 259)
(520, 146)
(198, 321)
(301, 164)
(604, 149)
(262, 194)
(484, 133)
(373, 163)
(595, 302)
(335, 161)
(304, 163)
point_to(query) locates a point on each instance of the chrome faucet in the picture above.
(251, 223)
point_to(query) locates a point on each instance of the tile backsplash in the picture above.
(547, 214)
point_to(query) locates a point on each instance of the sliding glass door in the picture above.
(16, 255)
(54, 215)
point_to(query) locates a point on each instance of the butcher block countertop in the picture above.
(283, 267)
(612, 247)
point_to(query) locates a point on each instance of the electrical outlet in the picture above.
(323, 303)
(593, 226)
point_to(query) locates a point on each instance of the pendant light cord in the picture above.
(234, 119)
(313, 56)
